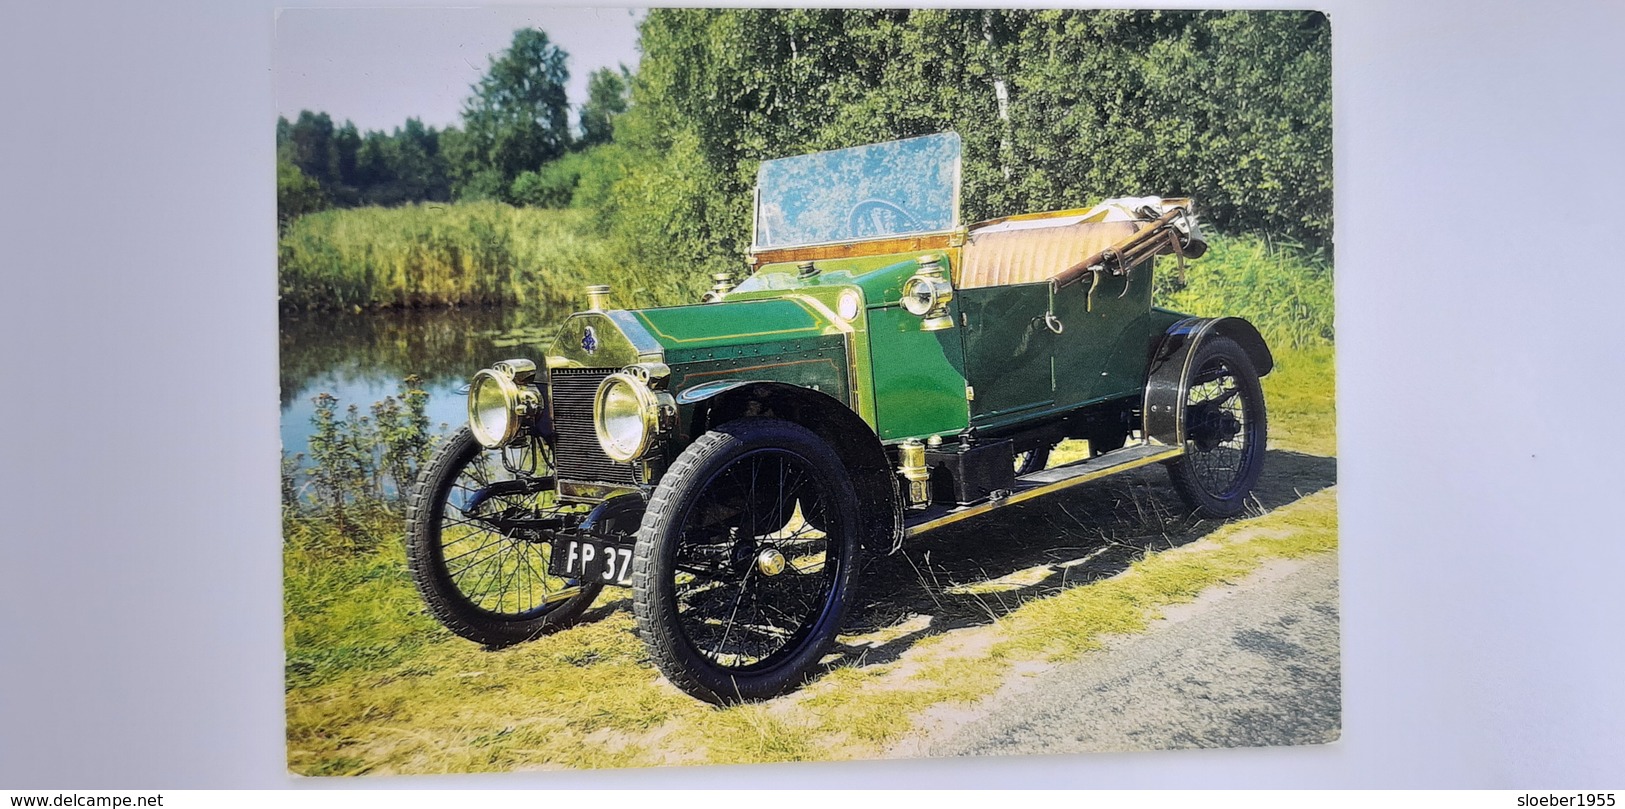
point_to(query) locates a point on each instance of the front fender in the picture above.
(700, 393)
(861, 451)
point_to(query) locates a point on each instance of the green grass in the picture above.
(1301, 394)
(1285, 291)
(397, 694)
(480, 253)
(347, 611)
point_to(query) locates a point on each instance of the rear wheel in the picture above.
(1225, 431)
(735, 598)
(1103, 443)
(1032, 460)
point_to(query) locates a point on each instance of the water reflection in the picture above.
(361, 358)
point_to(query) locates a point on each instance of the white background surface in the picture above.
(1477, 181)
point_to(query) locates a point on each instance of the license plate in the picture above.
(587, 560)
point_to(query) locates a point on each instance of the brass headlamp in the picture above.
(502, 401)
(628, 413)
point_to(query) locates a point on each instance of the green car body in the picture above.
(903, 371)
(991, 373)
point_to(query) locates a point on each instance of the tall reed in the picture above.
(485, 253)
(1284, 289)
(432, 255)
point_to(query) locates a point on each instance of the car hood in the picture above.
(678, 334)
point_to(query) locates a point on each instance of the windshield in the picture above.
(886, 189)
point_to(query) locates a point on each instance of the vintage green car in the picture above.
(882, 371)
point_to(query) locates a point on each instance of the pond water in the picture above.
(362, 358)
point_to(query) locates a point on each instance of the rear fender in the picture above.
(1165, 387)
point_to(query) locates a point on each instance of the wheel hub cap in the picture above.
(1210, 427)
(770, 562)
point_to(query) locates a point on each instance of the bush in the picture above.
(359, 472)
(1284, 289)
(548, 188)
(1058, 108)
(296, 194)
(483, 184)
(599, 168)
(577, 180)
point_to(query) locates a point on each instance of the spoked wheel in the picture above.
(747, 551)
(1225, 431)
(479, 536)
(1032, 460)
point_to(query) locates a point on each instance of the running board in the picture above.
(1044, 482)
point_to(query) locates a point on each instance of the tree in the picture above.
(415, 163)
(519, 115)
(1057, 109)
(296, 194)
(608, 93)
(310, 146)
(373, 165)
(346, 142)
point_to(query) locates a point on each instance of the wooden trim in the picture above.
(874, 247)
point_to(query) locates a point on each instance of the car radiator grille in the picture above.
(576, 452)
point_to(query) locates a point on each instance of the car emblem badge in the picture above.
(589, 341)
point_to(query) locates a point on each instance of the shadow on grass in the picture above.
(977, 571)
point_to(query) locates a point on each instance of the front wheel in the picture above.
(479, 537)
(1225, 431)
(734, 600)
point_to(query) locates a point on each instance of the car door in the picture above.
(1008, 352)
(1100, 351)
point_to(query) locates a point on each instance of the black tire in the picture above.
(483, 582)
(1226, 430)
(1103, 443)
(699, 578)
(1032, 460)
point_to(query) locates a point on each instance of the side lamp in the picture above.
(927, 294)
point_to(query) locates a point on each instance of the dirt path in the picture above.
(1274, 636)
